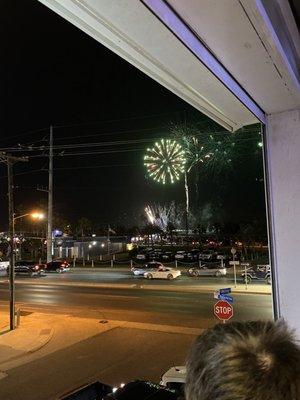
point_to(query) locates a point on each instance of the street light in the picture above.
(34, 215)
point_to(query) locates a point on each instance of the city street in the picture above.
(116, 294)
(123, 275)
(154, 328)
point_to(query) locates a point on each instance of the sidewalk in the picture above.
(32, 334)
(40, 334)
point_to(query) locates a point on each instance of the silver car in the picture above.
(208, 270)
(150, 266)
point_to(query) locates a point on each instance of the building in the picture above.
(88, 247)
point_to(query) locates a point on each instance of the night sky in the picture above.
(52, 73)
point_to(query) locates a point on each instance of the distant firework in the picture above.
(165, 162)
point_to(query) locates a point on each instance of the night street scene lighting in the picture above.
(150, 182)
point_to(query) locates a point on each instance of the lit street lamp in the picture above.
(34, 215)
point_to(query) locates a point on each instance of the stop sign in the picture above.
(223, 310)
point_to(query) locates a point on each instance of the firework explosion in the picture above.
(165, 162)
(217, 152)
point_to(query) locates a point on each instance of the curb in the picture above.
(41, 345)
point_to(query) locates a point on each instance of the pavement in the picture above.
(48, 355)
(36, 330)
(33, 333)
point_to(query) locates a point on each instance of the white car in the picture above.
(180, 255)
(163, 273)
(208, 270)
(207, 255)
(141, 256)
(4, 265)
(150, 266)
(174, 379)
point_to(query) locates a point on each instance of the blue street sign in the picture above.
(225, 290)
(226, 298)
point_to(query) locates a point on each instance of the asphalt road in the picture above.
(124, 275)
(121, 354)
(155, 306)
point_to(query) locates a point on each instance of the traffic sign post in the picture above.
(226, 297)
(222, 296)
(233, 252)
(225, 290)
(234, 263)
(223, 310)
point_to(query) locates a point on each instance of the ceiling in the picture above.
(237, 34)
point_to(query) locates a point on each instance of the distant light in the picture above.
(260, 144)
(102, 244)
(114, 389)
(94, 235)
(90, 246)
(94, 243)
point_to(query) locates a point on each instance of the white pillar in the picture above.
(282, 145)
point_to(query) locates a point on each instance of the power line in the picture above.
(113, 143)
(25, 173)
(111, 133)
(24, 134)
(96, 166)
(87, 153)
(117, 120)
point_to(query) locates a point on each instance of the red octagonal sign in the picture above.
(223, 310)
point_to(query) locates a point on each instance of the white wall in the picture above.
(283, 174)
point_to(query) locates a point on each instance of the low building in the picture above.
(88, 247)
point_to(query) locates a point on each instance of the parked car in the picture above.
(180, 255)
(261, 273)
(175, 379)
(30, 268)
(163, 273)
(141, 256)
(155, 255)
(140, 390)
(4, 265)
(193, 255)
(208, 255)
(140, 270)
(208, 270)
(222, 256)
(57, 266)
(167, 256)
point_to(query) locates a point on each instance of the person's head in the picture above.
(244, 361)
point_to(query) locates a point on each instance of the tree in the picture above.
(83, 226)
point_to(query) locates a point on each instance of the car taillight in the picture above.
(36, 267)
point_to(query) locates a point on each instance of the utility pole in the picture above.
(187, 205)
(9, 161)
(108, 240)
(50, 199)
(12, 247)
